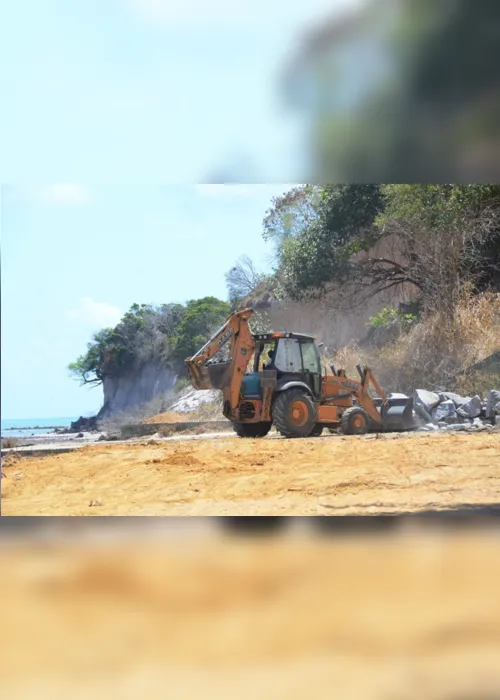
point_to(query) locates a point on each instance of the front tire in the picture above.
(355, 421)
(294, 413)
(251, 430)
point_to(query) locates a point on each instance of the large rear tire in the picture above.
(355, 421)
(294, 413)
(251, 430)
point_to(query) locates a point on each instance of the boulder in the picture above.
(471, 409)
(492, 403)
(427, 399)
(428, 428)
(446, 409)
(423, 413)
(456, 398)
(478, 424)
(86, 424)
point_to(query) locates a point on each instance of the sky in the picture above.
(75, 258)
(133, 103)
(147, 91)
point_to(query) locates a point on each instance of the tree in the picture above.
(201, 320)
(366, 239)
(166, 334)
(242, 279)
(442, 234)
(290, 214)
(86, 368)
(340, 223)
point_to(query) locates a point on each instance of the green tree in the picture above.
(87, 367)
(446, 236)
(339, 224)
(201, 320)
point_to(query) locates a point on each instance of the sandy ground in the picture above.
(393, 618)
(322, 476)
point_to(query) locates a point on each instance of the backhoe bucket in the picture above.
(397, 414)
(218, 374)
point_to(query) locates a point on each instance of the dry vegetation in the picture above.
(434, 352)
(8, 443)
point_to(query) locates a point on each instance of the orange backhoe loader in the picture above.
(286, 385)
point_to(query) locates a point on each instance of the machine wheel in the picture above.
(355, 421)
(294, 413)
(317, 430)
(251, 430)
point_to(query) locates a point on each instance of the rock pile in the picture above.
(449, 411)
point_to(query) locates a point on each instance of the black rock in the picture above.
(86, 424)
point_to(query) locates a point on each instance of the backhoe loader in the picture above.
(286, 386)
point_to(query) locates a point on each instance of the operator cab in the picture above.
(294, 357)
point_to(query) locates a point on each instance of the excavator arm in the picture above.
(226, 376)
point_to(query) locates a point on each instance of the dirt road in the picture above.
(230, 476)
(406, 617)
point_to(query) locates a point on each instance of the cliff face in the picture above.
(136, 387)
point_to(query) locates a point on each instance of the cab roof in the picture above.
(274, 336)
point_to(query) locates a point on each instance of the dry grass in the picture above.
(8, 443)
(436, 350)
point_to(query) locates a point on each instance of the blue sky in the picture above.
(74, 258)
(123, 95)
(129, 91)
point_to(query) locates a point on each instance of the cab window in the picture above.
(287, 358)
(310, 360)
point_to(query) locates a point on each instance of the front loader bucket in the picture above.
(397, 414)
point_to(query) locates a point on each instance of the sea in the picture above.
(26, 427)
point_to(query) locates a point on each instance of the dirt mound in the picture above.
(167, 417)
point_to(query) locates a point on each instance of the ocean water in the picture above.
(24, 427)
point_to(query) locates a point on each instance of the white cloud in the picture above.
(96, 314)
(62, 194)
